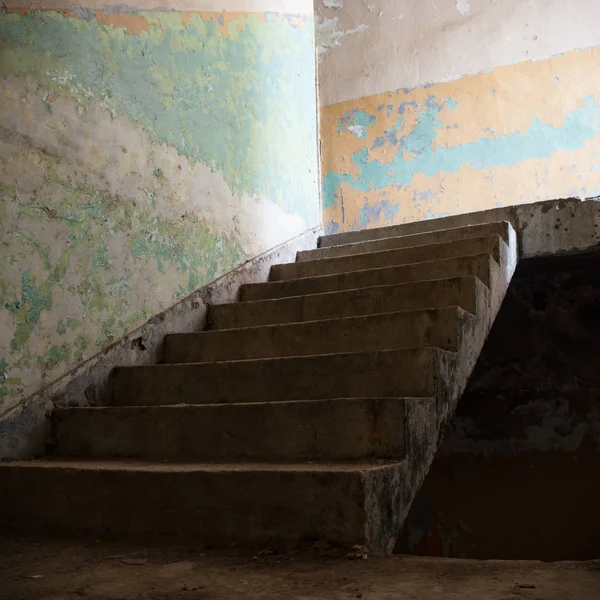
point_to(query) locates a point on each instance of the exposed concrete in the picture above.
(401, 256)
(500, 228)
(478, 266)
(116, 570)
(513, 477)
(366, 503)
(24, 431)
(459, 291)
(410, 329)
(265, 502)
(382, 373)
(543, 228)
(338, 429)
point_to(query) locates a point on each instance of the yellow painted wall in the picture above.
(517, 134)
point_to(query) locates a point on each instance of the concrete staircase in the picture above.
(311, 409)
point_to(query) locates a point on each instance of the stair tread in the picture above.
(332, 276)
(413, 235)
(196, 467)
(229, 405)
(306, 357)
(280, 272)
(307, 324)
(347, 291)
(410, 228)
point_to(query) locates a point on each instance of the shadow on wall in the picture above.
(516, 476)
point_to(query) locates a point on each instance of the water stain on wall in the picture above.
(142, 155)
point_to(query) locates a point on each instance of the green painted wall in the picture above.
(142, 155)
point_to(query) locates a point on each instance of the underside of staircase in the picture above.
(310, 410)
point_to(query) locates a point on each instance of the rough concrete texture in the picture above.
(338, 429)
(500, 228)
(381, 373)
(396, 377)
(409, 329)
(25, 430)
(402, 256)
(477, 266)
(220, 504)
(105, 570)
(458, 291)
(513, 475)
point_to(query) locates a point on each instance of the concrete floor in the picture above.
(52, 570)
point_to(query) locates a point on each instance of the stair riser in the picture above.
(213, 508)
(391, 373)
(374, 260)
(355, 303)
(478, 266)
(323, 429)
(435, 237)
(432, 328)
(404, 229)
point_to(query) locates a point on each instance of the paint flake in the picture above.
(463, 6)
(329, 35)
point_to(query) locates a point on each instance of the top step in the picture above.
(416, 227)
(501, 228)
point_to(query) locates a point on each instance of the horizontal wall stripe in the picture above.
(279, 6)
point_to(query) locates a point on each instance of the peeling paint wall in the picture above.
(144, 152)
(515, 474)
(430, 109)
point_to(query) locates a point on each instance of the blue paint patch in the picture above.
(539, 141)
(357, 122)
(404, 105)
(332, 227)
(374, 213)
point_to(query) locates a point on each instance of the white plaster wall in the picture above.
(371, 46)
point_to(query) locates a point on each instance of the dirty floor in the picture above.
(94, 570)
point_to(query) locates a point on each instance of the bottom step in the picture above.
(212, 504)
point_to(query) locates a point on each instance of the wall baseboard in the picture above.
(25, 430)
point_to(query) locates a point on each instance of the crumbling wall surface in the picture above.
(144, 152)
(515, 476)
(441, 108)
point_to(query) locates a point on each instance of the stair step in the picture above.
(387, 258)
(479, 266)
(437, 327)
(404, 229)
(337, 429)
(214, 504)
(383, 373)
(501, 228)
(459, 291)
